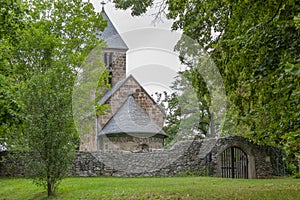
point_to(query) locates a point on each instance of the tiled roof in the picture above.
(111, 35)
(132, 119)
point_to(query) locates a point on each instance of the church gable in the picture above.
(118, 95)
(131, 129)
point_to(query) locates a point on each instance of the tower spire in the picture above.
(110, 33)
(103, 4)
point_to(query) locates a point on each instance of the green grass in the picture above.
(156, 188)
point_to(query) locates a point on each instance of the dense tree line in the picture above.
(256, 47)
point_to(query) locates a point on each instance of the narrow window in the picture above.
(110, 75)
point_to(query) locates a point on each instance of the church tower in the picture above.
(114, 55)
(114, 58)
(133, 120)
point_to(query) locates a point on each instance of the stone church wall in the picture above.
(149, 106)
(130, 143)
(88, 142)
(139, 94)
(120, 96)
(115, 62)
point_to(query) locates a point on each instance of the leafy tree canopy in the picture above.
(256, 47)
(188, 116)
(43, 46)
(11, 21)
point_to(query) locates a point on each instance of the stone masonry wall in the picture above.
(259, 157)
(130, 143)
(184, 156)
(131, 86)
(12, 164)
(116, 63)
(85, 164)
(145, 101)
(119, 67)
(150, 106)
(88, 142)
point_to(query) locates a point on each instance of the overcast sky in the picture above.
(150, 57)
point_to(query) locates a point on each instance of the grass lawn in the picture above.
(156, 188)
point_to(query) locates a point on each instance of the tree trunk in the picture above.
(49, 189)
(298, 159)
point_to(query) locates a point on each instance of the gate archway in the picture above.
(234, 163)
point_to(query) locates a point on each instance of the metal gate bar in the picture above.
(234, 163)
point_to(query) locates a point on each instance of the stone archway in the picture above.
(237, 142)
(234, 163)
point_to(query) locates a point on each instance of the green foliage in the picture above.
(10, 113)
(43, 45)
(259, 70)
(292, 170)
(50, 131)
(188, 115)
(256, 47)
(170, 103)
(137, 7)
(11, 22)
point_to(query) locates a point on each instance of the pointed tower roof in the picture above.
(132, 119)
(111, 35)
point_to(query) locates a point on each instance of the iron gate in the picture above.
(234, 163)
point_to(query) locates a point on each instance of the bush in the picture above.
(292, 170)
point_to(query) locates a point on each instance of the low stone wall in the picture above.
(186, 156)
(201, 157)
(12, 164)
(85, 164)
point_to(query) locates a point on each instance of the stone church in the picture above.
(133, 121)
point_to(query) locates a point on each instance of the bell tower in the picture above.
(114, 54)
(114, 57)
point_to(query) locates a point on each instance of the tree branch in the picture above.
(161, 6)
(278, 8)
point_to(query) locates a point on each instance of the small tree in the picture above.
(50, 132)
